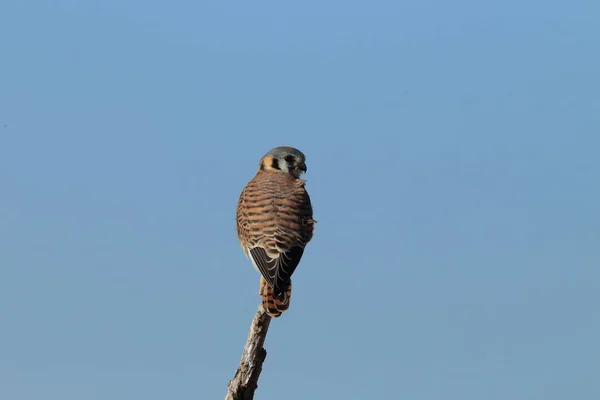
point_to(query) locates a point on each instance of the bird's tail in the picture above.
(274, 305)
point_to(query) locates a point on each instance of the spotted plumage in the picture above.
(274, 224)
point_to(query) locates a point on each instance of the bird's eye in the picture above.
(289, 159)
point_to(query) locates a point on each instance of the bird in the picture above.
(275, 223)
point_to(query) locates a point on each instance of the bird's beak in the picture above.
(302, 167)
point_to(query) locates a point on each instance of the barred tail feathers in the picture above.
(273, 305)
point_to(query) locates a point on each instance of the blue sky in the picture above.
(452, 152)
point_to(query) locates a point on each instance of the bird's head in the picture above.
(284, 159)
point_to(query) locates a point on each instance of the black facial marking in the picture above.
(262, 165)
(275, 163)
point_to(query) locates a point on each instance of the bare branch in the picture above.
(245, 380)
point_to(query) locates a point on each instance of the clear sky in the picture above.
(453, 163)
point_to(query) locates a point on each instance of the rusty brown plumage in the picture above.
(274, 224)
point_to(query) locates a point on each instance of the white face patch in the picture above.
(283, 166)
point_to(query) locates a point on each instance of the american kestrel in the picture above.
(274, 224)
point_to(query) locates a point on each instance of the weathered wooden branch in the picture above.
(245, 380)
